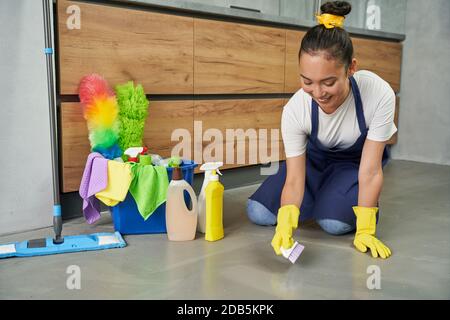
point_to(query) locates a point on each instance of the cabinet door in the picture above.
(75, 145)
(292, 74)
(382, 57)
(153, 49)
(169, 120)
(163, 119)
(237, 58)
(238, 132)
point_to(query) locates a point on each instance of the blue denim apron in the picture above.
(331, 186)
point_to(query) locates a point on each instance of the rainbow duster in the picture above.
(100, 110)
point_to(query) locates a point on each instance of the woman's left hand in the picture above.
(364, 241)
(366, 222)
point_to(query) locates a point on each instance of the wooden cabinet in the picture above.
(248, 131)
(75, 145)
(381, 57)
(153, 49)
(292, 74)
(237, 58)
(176, 55)
(167, 121)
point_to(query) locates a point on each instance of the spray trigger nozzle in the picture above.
(215, 172)
(212, 167)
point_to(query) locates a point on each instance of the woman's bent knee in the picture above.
(335, 227)
(259, 214)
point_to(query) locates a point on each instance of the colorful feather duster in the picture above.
(100, 110)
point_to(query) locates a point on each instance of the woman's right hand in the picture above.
(287, 222)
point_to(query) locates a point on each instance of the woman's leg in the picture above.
(263, 205)
(335, 227)
(268, 194)
(259, 214)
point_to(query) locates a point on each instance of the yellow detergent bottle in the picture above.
(208, 168)
(214, 208)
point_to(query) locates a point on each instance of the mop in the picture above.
(58, 244)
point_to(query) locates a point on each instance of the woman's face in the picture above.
(325, 79)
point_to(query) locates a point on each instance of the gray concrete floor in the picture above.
(415, 224)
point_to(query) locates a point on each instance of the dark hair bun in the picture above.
(338, 8)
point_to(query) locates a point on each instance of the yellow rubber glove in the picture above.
(366, 222)
(287, 221)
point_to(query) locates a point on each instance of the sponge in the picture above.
(293, 253)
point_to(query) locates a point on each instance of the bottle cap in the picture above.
(145, 159)
(177, 174)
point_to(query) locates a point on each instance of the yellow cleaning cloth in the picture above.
(119, 179)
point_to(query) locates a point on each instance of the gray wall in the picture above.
(424, 119)
(25, 164)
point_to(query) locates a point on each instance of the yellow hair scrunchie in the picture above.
(330, 20)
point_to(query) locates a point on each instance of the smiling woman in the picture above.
(325, 80)
(334, 132)
(326, 58)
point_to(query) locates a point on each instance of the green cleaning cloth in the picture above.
(149, 187)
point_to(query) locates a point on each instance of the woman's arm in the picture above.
(294, 186)
(370, 175)
(370, 178)
(291, 197)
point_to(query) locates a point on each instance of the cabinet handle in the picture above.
(246, 9)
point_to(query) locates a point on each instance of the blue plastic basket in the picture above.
(128, 220)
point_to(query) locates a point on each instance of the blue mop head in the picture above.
(96, 241)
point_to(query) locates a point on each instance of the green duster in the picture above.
(133, 112)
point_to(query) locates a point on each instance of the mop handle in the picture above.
(48, 50)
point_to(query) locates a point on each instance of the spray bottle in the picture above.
(134, 152)
(214, 208)
(207, 167)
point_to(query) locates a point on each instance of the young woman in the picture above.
(334, 131)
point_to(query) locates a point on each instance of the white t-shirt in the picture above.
(340, 129)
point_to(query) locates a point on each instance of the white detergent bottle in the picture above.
(208, 167)
(181, 222)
